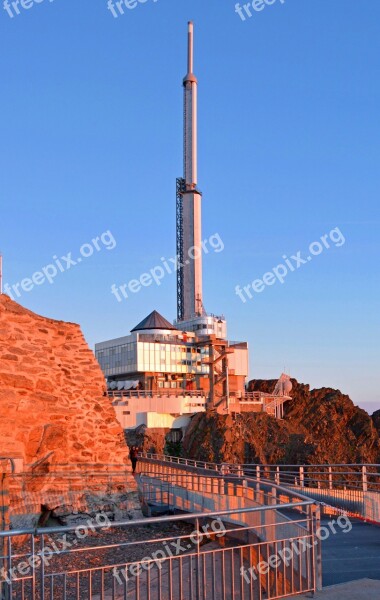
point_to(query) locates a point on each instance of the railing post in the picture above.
(42, 580)
(198, 573)
(302, 477)
(5, 562)
(330, 479)
(258, 473)
(278, 475)
(315, 513)
(364, 478)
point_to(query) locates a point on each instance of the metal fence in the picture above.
(269, 547)
(364, 477)
(353, 488)
(201, 561)
(159, 393)
(359, 477)
(186, 486)
(193, 493)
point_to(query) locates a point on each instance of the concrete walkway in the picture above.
(364, 589)
(351, 556)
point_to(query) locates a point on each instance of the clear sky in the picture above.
(289, 149)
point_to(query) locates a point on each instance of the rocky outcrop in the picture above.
(55, 415)
(148, 440)
(376, 420)
(320, 426)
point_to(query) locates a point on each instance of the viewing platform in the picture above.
(158, 408)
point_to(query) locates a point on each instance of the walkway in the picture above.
(365, 589)
(353, 555)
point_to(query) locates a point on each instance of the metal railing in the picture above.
(121, 561)
(195, 464)
(231, 484)
(161, 392)
(353, 488)
(162, 339)
(185, 486)
(360, 477)
(200, 561)
(364, 477)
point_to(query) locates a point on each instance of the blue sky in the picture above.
(91, 141)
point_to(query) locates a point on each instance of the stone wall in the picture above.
(55, 417)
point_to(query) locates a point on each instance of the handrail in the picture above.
(177, 393)
(221, 476)
(254, 465)
(313, 465)
(154, 520)
(300, 477)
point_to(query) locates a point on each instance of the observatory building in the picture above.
(162, 371)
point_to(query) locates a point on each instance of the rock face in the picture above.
(55, 415)
(148, 440)
(376, 420)
(320, 426)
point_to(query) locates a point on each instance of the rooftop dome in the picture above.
(154, 321)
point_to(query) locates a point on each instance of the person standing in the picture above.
(133, 455)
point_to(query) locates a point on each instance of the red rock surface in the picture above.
(321, 426)
(53, 408)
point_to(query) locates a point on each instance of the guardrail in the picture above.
(162, 392)
(208, 557)
(353, 488)
(363, 477)
(185, 461)
(188, 486)
(88, 562)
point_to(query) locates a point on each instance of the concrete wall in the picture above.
(128, 409)
(238, 361)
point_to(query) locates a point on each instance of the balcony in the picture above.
(160, 393)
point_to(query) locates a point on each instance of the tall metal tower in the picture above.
(189, 209)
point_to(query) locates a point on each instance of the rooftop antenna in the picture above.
(189, 205)
(191, 118)
(190, 54)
